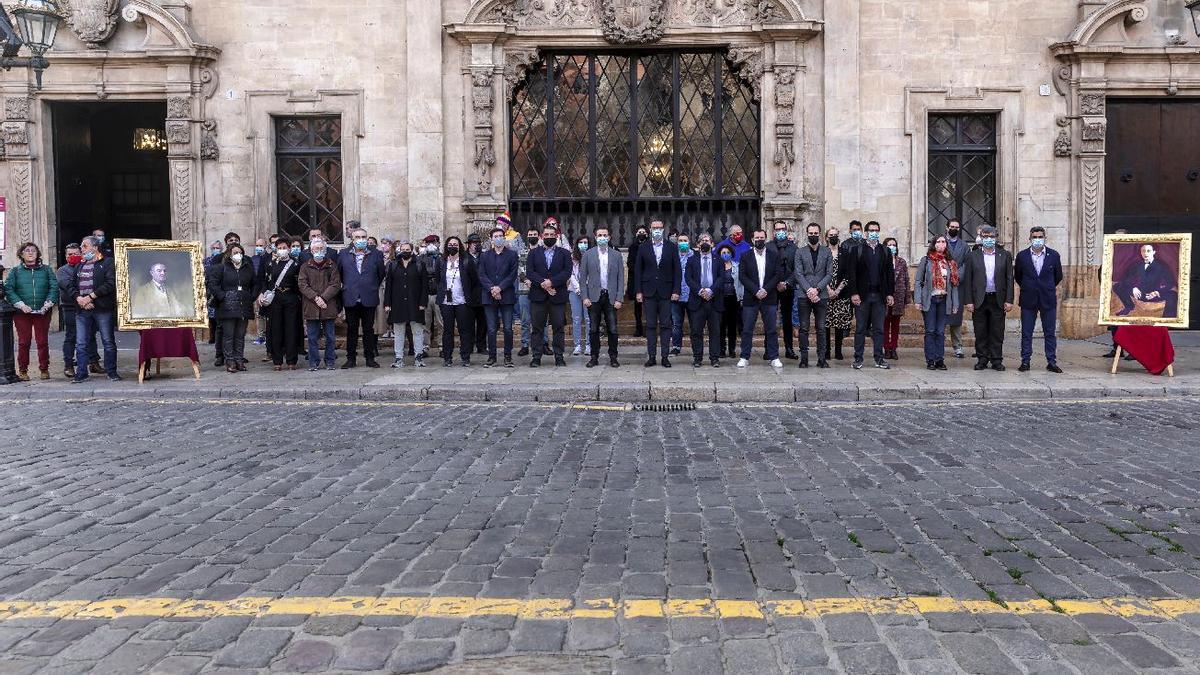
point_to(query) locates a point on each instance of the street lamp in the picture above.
(37, 26)
(1194, 7)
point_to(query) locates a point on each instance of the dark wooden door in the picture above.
(1152, 172)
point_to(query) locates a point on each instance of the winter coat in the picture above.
(234, 290)
(406, 291)
(34, 287)
(320, 279)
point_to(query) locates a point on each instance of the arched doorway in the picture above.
(614, 137)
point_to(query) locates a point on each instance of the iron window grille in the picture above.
(308, 166)
(962, 172)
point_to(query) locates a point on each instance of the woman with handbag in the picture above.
(281, 304)
(234, 289)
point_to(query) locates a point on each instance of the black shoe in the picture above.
(822, 363)
(930, 366)
(546, 351)
(940, 365)
(447, 363)
(981, 365)
(559, 361)
(651, 362)
(524, 351)
(764, 357)
(882, 365)
(666, 362)
(466, 363)
(1109, 354)
(1129, 357)
(216, 364)
(489, 363)
(1024, 367)
(535, 363)
(508, 363)
(998, 366)
(1053, 367)
(115, 377)
(613, 363)
(838, 355)
(372, 363)
(79, 380)
(858, 365)
(1125, 312)
(716, 363)
(697, 363)
(592, 363)
(804, 362)
(350, 363)
(790, 354)
(675, 351)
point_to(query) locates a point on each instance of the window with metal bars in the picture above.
(615, 138)
(962, 171)
(308, 167)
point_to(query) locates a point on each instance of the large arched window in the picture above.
(616, 137)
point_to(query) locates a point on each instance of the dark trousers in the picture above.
(316, 329)
(283, 334)
(679, 312)
(499, 317)
(70, 340)
(88, 322)
(731, 324)
(820, 310)
(233, 334)
(637, 319)
(1049, 331)
(935, 330)
(462, 316)
(602, 310)
(787, 300)
(479, 321)
(658, 325)
(770, 317)
(988, 321)
(868, 316)
(364, 317)
(539, 313)
(706, 317)
(217, 338)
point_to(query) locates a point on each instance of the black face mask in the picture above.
(705, 247)
(833, 241)
(641, 237)
(451, 250)
(532, 241)
(549, 242)
(814, 239)
(406, 255)
(953, 232)
(760, 244)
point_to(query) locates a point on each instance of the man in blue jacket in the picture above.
(362, 271)
(1038, 271)
(548, 269)
(705, 273)
(659, 280)
(498, 281)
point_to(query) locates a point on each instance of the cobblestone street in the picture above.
(980, 537)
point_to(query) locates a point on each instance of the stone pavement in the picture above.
(1087, 376)
(248, 537)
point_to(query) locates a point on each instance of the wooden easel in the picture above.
(1117, 362)
(158, 369)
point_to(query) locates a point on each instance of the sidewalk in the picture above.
(1086, 376)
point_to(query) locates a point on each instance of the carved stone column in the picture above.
(16, 130)
(1081, 298)
(181, 161)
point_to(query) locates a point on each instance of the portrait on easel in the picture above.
(1144, 280)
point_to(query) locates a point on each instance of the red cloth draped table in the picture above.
(167, 343)
(1150, 345)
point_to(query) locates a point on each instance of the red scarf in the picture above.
(939, 262)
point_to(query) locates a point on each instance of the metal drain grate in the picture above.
(665, 407)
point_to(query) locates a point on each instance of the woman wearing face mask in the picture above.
(936, 293)
(580, 323)
(457, 283)
(235, 288)
(731, 316)
(406, 290)
(33, 289)
(283, 314)
(382, 328)
(891, 322)
(841, 313)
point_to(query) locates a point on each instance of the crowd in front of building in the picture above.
(464, 298)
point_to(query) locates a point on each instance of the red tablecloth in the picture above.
(1150, 345)
(167, 343)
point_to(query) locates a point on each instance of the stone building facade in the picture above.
(400, 114)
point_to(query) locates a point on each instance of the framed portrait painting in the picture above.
(160, 284)
(1145, 280)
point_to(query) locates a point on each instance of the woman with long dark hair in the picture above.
(457, 292)
(936, 293)
(580, 322)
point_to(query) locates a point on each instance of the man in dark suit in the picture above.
(1147, 281)
(812, 277)
(988, 295)
(640, 237)
(710, 283)
(602, 285)
(871, 282)
(1039, 272)
(658, 278)
(548, 269)
(786, 287)
(498, 282)
(760, 271)
(362, 271)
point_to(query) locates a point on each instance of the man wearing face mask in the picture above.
(640, 237)
(68, 307)
(602, 285)
(93, 289)
(852, 242)
(659, 281)
(760, 272)
(549, 270)
(428, 257)
(1039, 272)
(737, 241)
(957, 247)
(498, 269)
(813, 274)
(361, 271)
(106, 246)
(679, 308)
(262, 258)
(474, 251)
(871, 284)
(787, 295)
(532, 241)
(710, 282)
(217, 338)
(988, 294)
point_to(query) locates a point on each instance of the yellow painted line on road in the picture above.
(565, 608)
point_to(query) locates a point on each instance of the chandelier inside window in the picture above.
(149, 139)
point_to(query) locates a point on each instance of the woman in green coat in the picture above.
(33, 289)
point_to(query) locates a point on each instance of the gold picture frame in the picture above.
(1166, 300)
(151, 293)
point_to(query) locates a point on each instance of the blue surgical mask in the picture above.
(780, 235)
(319, 255)
(1038, 242)
(726, 256)
(856, 234)
(89, 255)
(99, 239)
(583, 246)
(259, 250)
(988, 242)
(360, 244)
(892, 249)
(295, 251)
(684, 247)
(873, 236)
(602, 241)
(656, 235)
(498, 241)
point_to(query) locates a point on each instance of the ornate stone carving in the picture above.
(725, 12)
(481, 97)
(21, 175)
(179, 107)
(631, 22)
(1062, 144)
(179, 132)
(1091, 170)
(482, 104)
(1091, 104)
(208, 140)
(485, 158)
(785, 93)
(536, 13)
(181, 199)
(94, 21)
(785, 130)
(747, 62)
(16, 133)
(517, 63)
(1093, 135)
(785, 157)
(632, 14)
(16, 108)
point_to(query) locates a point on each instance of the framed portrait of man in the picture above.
(160, 284)
(1145, 280)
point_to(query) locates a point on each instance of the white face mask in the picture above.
(236, 258)
(431, 249)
